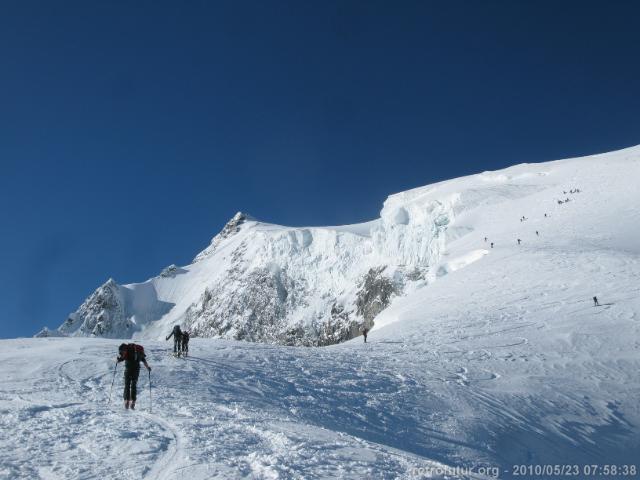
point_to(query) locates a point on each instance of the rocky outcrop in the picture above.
(251, 306)
(255, 306)
(101, 315)
(374, 295)
(169, 271)
(46, 333)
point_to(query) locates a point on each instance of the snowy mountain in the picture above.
(263, 282)
(323, 285)
(488, 357)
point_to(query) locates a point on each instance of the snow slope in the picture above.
(485, 357)
(231, 410)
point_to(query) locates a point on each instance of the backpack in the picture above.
(132, 352)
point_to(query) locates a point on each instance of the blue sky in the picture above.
(130, 132)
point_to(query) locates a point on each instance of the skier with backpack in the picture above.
(185, 343)
(176, 333)
(131, 354)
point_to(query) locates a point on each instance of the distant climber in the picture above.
(519, 241)
(545, 215)
(485, 239)
(595, 302)
(176, 333)
(131, 354)
(185, 343)
(491, 244)
(537, 234)
(365, 331)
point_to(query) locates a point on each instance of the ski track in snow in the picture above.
(162, 468)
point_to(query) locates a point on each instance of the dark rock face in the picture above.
(255, 312)
(374, 295)
(343, 326)
(254, 306)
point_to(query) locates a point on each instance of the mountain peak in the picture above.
(238, 219)
(232, 227)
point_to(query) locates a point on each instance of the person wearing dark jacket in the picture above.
(131, 355)
(176, 333)
(185, 343)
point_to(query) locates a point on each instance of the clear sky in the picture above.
(130, 132)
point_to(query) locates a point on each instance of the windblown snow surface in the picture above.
(497, 358)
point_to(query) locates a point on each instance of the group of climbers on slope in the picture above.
(133, 354)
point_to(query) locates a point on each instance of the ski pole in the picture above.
(150, 404)
(112, 380)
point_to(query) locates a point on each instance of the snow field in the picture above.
(231, 410)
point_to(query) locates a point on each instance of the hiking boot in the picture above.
(126, 404)
(132, 406)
